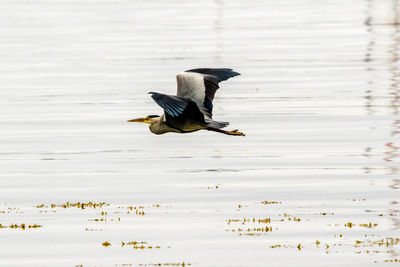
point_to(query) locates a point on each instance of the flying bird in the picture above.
(191, 109)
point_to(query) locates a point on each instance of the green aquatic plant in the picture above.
(22, 226)
(106, 244)
(79, 205)
(271, 202)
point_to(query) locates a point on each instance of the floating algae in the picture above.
(22, 226)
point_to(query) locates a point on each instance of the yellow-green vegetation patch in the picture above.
(11, 210)
(368, 246)
(324, 213)
(271, 202)
(137, 245)
(257, 226)
(106, 244)
(93, 229)
(358, 199)
(22, 226)
(79, 205)
(182, 264)
(300, 246)
(392, 260)
(366, 225)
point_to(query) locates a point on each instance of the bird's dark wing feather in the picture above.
(220, 74)
(172, 105)
(191, 119)
(183, 114)
(212, 77)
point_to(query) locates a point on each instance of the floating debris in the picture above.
(324, 213)
(140, 245)
(358, 199)
(132, 243)
(79, 205)
(251, 220)
(271, 202)
(213, 187)
(382, 242)
(106, 244)
(366, 225)
(182, 264)
(392, 260)
(92, 229)
(22, 226)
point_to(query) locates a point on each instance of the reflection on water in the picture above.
(315, 180)
(380, 26)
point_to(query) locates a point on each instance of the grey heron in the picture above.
(191, 109)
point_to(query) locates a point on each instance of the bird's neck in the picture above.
(159, 127)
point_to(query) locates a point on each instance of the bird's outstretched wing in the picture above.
(200, 86)
(172, 105)
(179, 110)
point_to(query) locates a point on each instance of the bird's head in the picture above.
(150, 119)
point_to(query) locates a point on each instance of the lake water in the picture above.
(314, 183)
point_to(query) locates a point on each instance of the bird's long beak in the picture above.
(142, 120)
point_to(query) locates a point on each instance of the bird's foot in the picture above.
(235, 132)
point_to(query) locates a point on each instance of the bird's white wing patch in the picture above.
(191, 85)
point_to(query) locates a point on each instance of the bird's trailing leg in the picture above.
(234, 132)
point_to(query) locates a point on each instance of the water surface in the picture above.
(314, 183)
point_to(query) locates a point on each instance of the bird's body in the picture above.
(160, 126)
(191, 109)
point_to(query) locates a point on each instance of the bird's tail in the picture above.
(217, 124)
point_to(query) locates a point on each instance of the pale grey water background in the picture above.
(318, 99)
